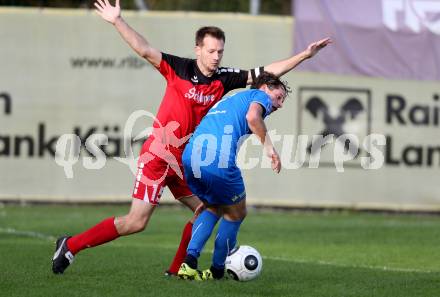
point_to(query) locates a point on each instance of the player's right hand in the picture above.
(107, 11)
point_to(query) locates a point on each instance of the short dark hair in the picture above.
(209, 30)
(272, 81)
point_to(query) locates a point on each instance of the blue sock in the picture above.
(225, 242)
(201, 231)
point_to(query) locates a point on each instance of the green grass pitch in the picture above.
(332, 254)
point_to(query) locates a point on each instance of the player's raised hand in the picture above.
(107, 11)
(315, 47)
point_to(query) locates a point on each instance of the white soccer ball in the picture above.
(244, 263)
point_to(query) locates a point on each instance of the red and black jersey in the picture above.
(189, 94)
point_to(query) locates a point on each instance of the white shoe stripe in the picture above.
(57, 253)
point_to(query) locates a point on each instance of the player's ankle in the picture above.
(217, 273)
(191, 261)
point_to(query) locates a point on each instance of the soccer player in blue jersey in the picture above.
(212, 173)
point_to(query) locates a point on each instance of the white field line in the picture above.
(34, 234)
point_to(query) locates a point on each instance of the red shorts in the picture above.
(155, 173)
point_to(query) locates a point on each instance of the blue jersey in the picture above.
(225, 127)
(209, 158)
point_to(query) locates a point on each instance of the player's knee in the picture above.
(237, 215)
(242, 214)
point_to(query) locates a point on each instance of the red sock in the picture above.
(181, 251)
(99, 234)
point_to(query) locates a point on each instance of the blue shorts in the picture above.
(213, 185)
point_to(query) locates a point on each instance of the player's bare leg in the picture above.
(136, 220)
(107, 230)
(193, 203)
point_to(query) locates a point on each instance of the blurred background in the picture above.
(63, 70)
(277, 7)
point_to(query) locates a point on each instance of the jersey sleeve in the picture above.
(233, 78)
(171, 65)
(264, 100)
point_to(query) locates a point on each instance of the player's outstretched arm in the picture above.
(282, 67)
(256, 123)
(139, 44)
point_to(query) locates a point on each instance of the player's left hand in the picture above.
(276, 162)
(315, 47)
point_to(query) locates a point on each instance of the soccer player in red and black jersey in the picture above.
(193, 87)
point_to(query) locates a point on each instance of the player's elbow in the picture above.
(144, 52)
(276, 69)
